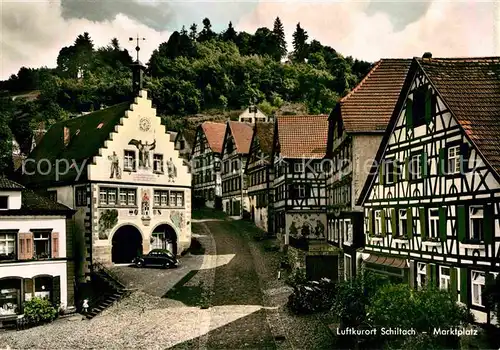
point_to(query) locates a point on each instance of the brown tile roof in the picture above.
(302, 136)
(265, 134)
(242, 134)
(470, 87)
(368, 107)
(214, 132)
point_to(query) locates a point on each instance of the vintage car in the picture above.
(157, 257)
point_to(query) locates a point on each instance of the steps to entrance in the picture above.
(110, 287)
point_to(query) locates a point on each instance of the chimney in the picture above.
(427, 55)
(66, 136)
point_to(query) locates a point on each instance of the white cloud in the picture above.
(32, 33)
(448, 29)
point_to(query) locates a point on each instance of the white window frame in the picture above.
(389, 176)
(301, 191)
(416, 166)
(317, 168)
(298, 167)
(378, 222)
(128, 160)
(111, 196)
(5, 239)
(123, 196)
(421, 271)
(347, 266)
(478, 279)
(433, 223)
(474, 217)
(445, 277)
(158, 163)
(416, 220)
(42, 236)
(454, 159)
(403, 222)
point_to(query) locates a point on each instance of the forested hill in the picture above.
(196, 70)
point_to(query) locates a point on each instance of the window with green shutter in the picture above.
(442, 164)
(464, 285)
(424, 167)
(409, 225)
(423, 223)
(394, 223)
(443, 223)
(461, 223)
(370, 223)
(381, 173)
(409, 114)
(407, 169)
(453, 281)
(488, 223)
(383, 223)
(430, 106)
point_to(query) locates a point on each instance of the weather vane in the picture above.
(137, 48)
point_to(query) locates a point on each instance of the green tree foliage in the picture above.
(300, 46)
(279, 34)
(191, 72)
(39, 310)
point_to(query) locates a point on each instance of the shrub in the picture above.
(312, 296)
(39, 310)
(296, 278)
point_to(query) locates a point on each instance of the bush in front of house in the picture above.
(38, 310)
(297, 277)
(312, 296)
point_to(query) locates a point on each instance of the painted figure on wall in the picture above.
(115, 166)
(171, 170)
(144, 149)
(107, 220)
(177, 219)
(320, 229)
(145, 203)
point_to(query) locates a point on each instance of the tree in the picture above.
(229, 34)
(6, 165)
(193, 31)
(299, 44)
(206, 33)
(279, 35)
(184, 31)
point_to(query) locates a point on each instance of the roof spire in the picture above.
(137, 68)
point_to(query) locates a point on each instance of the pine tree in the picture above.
(193, 31)
(299, 44)
(184, 31)
(206, 33)
(279, 35)
(230, 33)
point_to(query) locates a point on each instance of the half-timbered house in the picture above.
(235, 150)
(432, 201)
(356, 126)
(299, 147)
(259, 174)
(118, 168)
(206, 161)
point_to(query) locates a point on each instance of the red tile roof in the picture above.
(302, 136)
(214, 132)
(470, 87)
(242, 134)
(368, 107)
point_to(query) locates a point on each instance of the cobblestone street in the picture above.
(227, 298)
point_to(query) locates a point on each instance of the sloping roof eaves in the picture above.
(265, 135)
(368, 107)
(303, 136)
(87, 135)
(242, 134)
(214, 132)
(6, 184)
(470, 87)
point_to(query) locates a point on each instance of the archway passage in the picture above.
(126, 244)
(164, 237)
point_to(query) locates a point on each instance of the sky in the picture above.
(33, 31)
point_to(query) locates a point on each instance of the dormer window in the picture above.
(4, 202)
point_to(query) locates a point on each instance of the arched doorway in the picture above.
(126, 244)
(164, 237)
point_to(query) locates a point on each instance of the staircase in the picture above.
(109, 287)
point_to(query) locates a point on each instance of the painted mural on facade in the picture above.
(310, 226)
(177, 218)
(107, 220)
(145, 207)
(115, 166)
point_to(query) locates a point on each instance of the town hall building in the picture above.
(119, 169)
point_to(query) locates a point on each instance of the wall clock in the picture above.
(144, 124)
